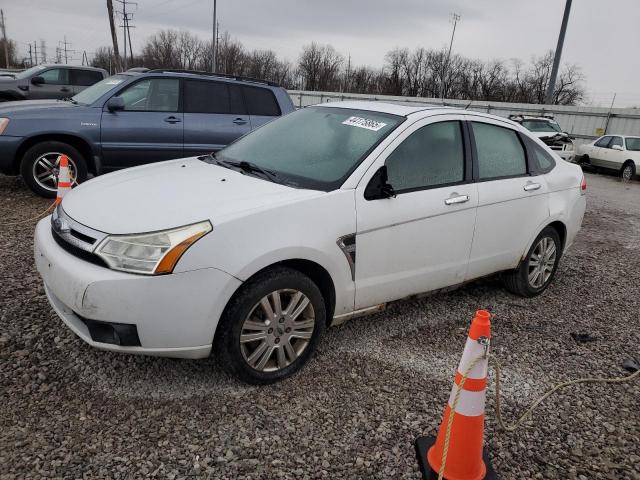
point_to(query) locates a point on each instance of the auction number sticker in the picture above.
(364, 123)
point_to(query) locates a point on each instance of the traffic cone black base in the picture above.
(423, 444)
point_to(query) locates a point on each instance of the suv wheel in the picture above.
(271, 327)
(537, 270)
(627, 171)
(40, 165)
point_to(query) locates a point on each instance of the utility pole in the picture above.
(454, 18)
(35, 49)
(64, 48)
(4, 37)
(114, 38)
(214, 39)
(30, 56)
(558, 53)
(126, 17)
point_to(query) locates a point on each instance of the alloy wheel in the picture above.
(46, 168)
(277, 330)
(541, 262)
(627, 173)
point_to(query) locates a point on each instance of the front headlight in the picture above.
(150, 253)
(4, 123)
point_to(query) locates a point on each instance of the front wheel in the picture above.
(41, 163)
(271, 327)
(537, 270)
(627, 171)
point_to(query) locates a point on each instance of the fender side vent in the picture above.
(347, 244)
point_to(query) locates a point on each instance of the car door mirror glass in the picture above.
(115, 103)
(379, 187)
(38, 80)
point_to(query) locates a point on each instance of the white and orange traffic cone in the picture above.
(64, 178)
(458, 447)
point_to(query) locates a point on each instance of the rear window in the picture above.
(261, 101)
(212, 97)
(84, 78)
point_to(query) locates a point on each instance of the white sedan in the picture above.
(325, 214)
(614, 152)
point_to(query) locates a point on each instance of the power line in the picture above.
(126, 32)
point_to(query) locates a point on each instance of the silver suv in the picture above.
(48, 82)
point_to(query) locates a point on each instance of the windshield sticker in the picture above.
(364, 123)
(113, 82)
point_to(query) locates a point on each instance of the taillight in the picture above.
(583, 185)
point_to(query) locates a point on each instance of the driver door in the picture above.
(56, 85)
(421, 239)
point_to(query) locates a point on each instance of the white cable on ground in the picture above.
(37, 217)
(527, 412)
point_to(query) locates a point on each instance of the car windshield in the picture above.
(30, 72)
(633, 143)
(95, 91)
(541, 126)
(315, 147)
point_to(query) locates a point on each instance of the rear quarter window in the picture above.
(261, 101)
(540, 161)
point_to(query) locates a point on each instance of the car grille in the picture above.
(75, 238)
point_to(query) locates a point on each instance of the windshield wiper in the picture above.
(248, 167)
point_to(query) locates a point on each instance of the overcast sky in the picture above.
(603, 36)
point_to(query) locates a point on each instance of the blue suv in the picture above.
(130, 119)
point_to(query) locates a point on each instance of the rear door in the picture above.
(262, 104)
(81, 79)
(149, 129)
(512, 199)
(214, 116)
(56, 84)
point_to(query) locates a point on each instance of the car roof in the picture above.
(75, 67)
(394, 108)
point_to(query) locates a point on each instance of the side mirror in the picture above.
(617, 147)
(38, 80)
(378, 187)
(115, 103)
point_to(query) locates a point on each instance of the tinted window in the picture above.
(541, 159)
(261, 101)
(314, 147)
(85, 77)
(153, 95)
(500, 153)
(55, 76)
(541, 126)
(212, 97)
(616, 141)
(603, 142)
(430, 156)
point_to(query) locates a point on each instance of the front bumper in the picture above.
(175, 315)
(8, 148)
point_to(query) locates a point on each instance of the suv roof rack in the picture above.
(210, 74)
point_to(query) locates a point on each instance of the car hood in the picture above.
(33, 106)
(171, 194)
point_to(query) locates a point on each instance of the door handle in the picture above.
(530, 186)
(240, 121)
(454, 200)
(172, 119)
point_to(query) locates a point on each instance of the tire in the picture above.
(519, 281)
(33, 163)
(246, 317)
(628, 171)
(583, 160)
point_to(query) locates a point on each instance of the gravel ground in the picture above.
(374, 386)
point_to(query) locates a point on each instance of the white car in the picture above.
(327, 213)
(615, 152)
(549, 131)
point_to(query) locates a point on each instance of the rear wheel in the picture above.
(41, 163)
(537, 270)
(627, 171)
(271, 327)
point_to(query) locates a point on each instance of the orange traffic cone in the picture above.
(64, 178)
(463, 456)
